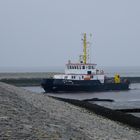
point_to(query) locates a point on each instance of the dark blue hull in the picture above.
(61, 85)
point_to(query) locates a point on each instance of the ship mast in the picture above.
(85, 56)
(85, 49)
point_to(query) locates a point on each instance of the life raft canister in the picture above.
(117, 78)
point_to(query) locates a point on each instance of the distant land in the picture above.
(133, 71)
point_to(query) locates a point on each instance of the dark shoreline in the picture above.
(37, 81)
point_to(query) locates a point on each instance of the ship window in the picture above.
(89, 67)
(73, 77)
(83, 67)
(70, 67)
(82, 77)
(91, 76)
(92, 67)
(88, 72)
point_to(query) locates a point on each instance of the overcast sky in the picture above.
(40, 33)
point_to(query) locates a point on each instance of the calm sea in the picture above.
(129, 95)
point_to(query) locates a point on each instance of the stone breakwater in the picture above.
(25, 79)
(27, 115)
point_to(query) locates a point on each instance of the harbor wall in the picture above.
(25, 79)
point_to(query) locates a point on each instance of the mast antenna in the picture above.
(85, 49)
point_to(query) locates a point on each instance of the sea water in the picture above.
(129, 95)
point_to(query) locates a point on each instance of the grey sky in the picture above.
(44, 33)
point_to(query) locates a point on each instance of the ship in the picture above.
(83, 77)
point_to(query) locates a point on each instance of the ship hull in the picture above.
(62, 85)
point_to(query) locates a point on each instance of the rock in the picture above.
(27, 115)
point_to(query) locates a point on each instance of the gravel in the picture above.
(30, 116)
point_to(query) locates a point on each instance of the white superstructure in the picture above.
(82, 70)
